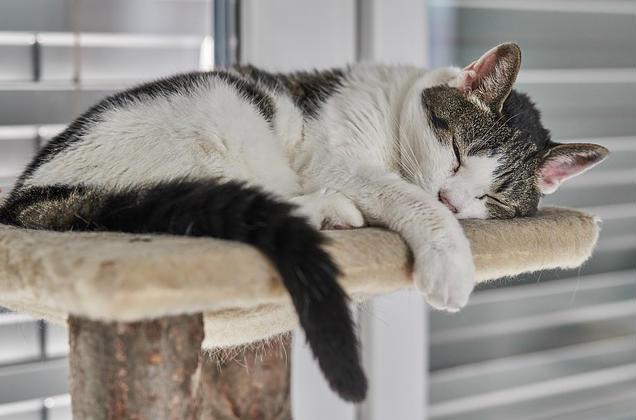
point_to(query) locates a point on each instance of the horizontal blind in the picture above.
(58, 58)
(556, 344)
(61, 56)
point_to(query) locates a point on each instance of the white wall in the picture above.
(394, 32)
(298, 34)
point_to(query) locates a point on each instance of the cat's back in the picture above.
(184, 125)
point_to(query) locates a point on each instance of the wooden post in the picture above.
(135, 370)
(156, 370)
(247, 383)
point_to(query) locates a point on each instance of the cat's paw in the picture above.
(339, 212)
(445, 273)
(327, 209)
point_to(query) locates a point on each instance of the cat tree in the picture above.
(155, 321)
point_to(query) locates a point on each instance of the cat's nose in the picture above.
(443, 198)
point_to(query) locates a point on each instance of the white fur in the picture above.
(359, 145)
(472, 181)
(370, 155)
(328, 209)
(213, 133)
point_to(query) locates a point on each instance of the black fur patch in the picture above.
(522, 115)
(227, 211)
(312, 89)
(309, 90)
(261, 77)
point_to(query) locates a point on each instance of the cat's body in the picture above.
(401, 147)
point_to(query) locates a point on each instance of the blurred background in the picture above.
(551, 345)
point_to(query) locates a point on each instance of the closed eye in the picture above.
(458, 156)
(508, 211)
(495, 200)
(439, 123)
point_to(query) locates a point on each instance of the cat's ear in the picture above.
(563, 161)
(491, 77)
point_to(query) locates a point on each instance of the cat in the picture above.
(270, 159)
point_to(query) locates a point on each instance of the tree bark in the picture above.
(156, 370)
(136, 370)
(250, 382)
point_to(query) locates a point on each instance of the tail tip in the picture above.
(352, 388)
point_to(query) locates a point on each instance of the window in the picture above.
(60, 57)
(563, 349)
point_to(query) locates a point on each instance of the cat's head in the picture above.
(482, 148)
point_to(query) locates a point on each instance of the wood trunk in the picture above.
(156, 369)
(251, 382)
(135, 370)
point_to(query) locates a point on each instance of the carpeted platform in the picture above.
(111, 276)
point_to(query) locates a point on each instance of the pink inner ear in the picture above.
(558, 169)
(470, 77)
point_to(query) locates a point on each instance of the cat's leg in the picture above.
(329, 209)
(443, 267)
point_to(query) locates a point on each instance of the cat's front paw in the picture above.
(328, 209)
(338, 212)
(445, 273)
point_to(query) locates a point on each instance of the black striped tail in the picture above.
(226, 211)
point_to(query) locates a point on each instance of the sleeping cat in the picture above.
(269, 159)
